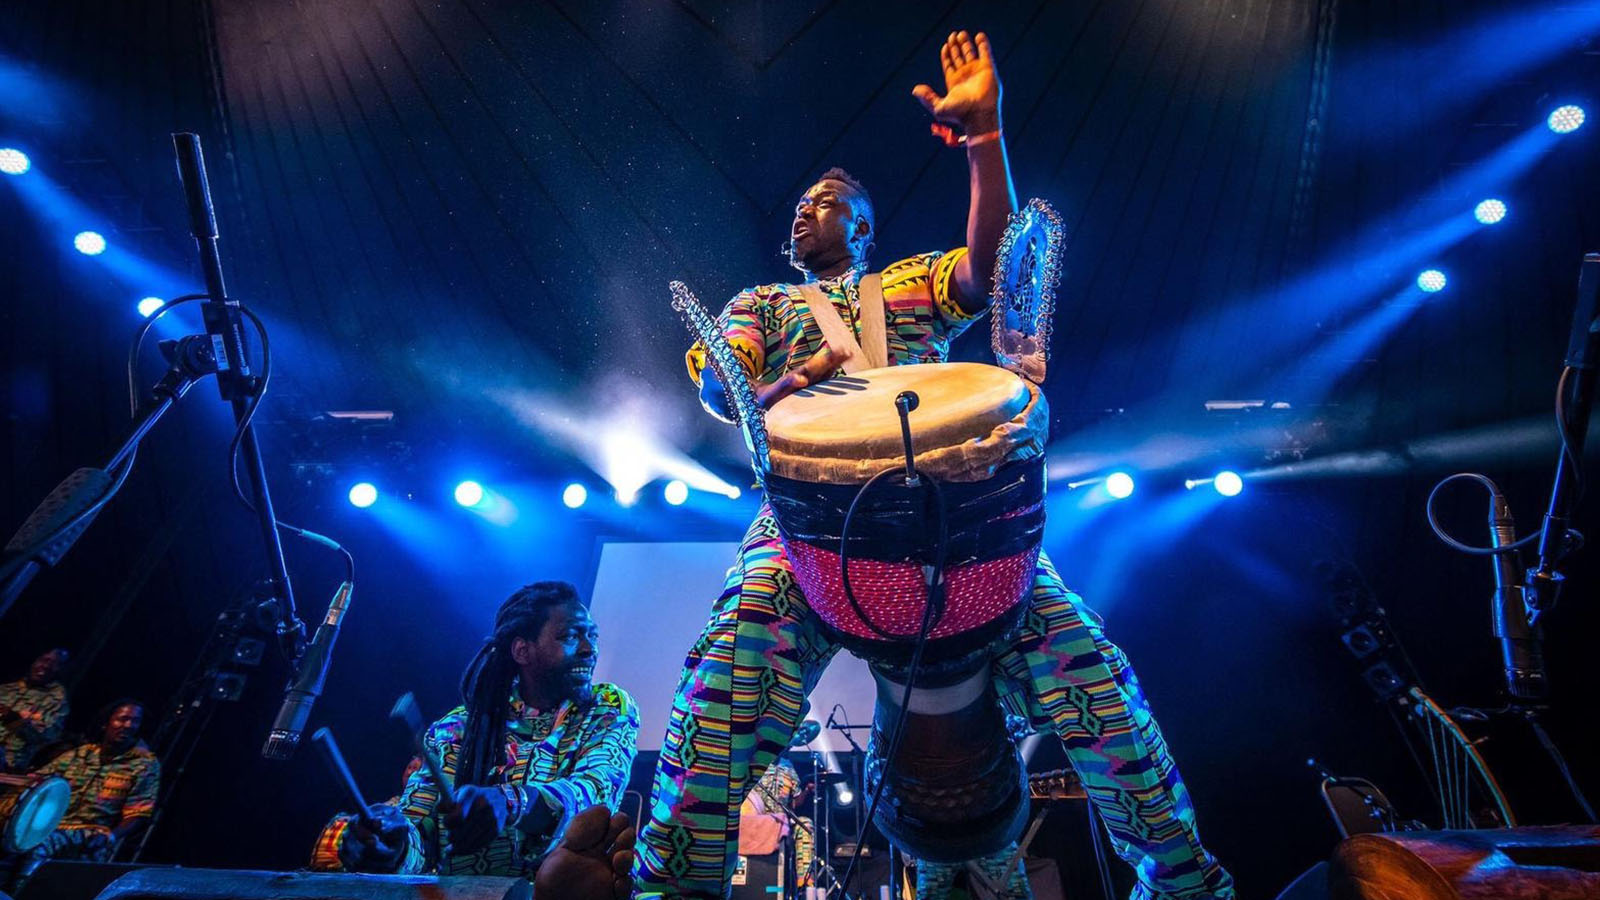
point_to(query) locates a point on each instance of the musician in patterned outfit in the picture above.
(533, 744)
(114, 783)
(745, 681)
(32, 711)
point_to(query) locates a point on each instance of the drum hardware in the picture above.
(40, 803)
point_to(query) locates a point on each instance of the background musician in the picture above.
(532, 745)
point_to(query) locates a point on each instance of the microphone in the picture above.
(306, 686)
(904, 403)
(1519, 646)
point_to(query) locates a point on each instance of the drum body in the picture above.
(980, 432)
(954, 788)
(31, 807)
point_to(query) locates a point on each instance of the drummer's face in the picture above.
(827, 229)
(123, 728)
(45, 669)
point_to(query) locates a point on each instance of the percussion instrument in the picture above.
(32, 805)
(980, 431)
(866, 550)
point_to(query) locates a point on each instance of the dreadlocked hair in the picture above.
(486, 684)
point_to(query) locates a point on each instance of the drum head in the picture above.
(847, 429)
(39, 810)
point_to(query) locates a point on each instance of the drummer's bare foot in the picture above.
(593, 862)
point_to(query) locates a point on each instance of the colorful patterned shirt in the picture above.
(772, 330)
(107, 792)
(569, 758)
(42, 712)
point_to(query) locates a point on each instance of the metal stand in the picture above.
(63, 516)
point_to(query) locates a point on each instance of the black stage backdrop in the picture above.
(466, 212)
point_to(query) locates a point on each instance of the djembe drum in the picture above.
(910, 501)
(864, 559)
(31, 806)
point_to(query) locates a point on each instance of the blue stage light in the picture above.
(1228, 484)
(1119, 485)
(1432, 281)
(14, 161)
(676, 492)
(89, 243)
(1565, 119)
(363, 495)
(575, 495)
(1490, 211)
(469, 493)
(149, 305)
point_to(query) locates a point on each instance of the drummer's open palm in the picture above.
(972, 87)
(820, 367)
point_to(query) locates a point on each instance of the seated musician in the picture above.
(534, 744)
(32, 711)
(114, 782)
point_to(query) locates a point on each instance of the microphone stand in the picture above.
(1576, 396)
(62, 518)
(225, 325)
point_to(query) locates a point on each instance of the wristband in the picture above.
(951, 139)
(974, 140)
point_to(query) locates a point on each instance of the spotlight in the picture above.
(626, 498)
(1119, 485)
(734, 493)
(1565, 119)
(843, 795)
(676, 492)
(575, 495)
(1490, 211)
(13, 161)
(363, 495)
(149, 305)
(89, 243)
(469, 493)
(1432, 281)
(1228, 484)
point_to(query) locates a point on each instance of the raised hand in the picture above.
(971, 99)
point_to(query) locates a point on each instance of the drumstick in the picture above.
(341, 772)
(407, 712)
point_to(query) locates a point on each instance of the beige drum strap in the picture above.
(872, 352)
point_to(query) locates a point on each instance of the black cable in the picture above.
(932, 611)
(1494, 490)
(1564, 429)
(138, 342)
(844, 554)
(237, 443)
